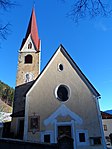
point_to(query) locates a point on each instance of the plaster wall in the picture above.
(42, 99)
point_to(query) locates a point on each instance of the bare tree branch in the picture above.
(89, 9)
(4, 31)
(5, 4)
(4, 28)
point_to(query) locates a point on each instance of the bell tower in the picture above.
(29, 54)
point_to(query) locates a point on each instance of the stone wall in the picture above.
(12, 144)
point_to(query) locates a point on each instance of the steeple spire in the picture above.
(33, 31)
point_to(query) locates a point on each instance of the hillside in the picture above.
(6, 93)
(4, 107)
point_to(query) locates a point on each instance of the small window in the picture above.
(30, 45)
(95, 140)
(28, 59)
(60, 67)
(47, 138)
(82, 137)
(105, 127)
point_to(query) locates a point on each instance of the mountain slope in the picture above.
(109, 111)
(4, 107)
(6, 93)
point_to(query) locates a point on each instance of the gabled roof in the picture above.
(33, 31)
(74, 65)
(19, 99)
(106, 115)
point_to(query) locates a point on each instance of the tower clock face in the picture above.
(29, 77)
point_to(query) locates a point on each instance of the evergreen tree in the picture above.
(6, 93)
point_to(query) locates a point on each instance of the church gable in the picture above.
(59, 83)
(28, 46)
(62, 95)
(62, 63)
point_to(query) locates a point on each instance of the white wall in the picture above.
(108, 123)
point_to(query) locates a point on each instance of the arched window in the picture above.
(28, 59)
(30, 45)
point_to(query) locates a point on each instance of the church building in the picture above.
(57, 102)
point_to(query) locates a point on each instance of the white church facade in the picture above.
(59, 101)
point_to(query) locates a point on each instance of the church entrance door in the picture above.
(65, 140)
(64, 130)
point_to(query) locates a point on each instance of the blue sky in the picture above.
(89, 43)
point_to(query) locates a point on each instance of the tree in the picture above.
(89, 8)
(4, 28)
(6, 93)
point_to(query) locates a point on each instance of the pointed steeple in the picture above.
(33, 31)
